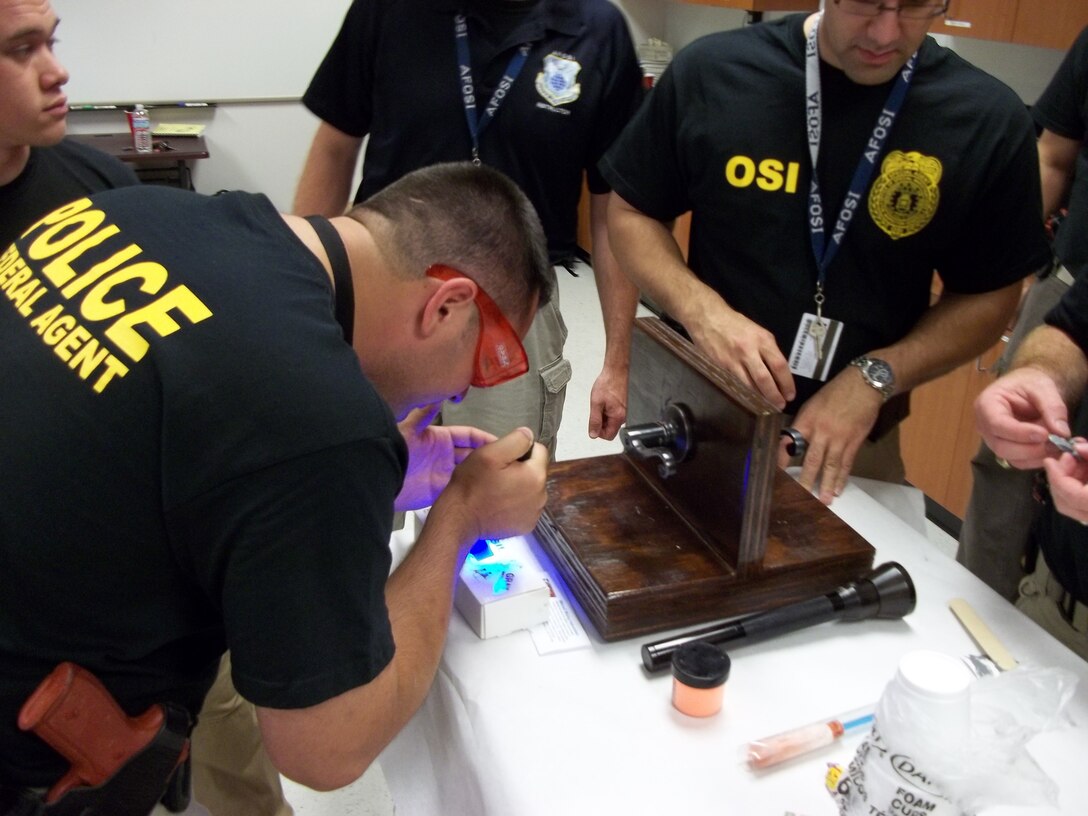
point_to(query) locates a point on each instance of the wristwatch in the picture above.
(877, 373)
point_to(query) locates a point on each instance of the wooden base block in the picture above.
(637, 567)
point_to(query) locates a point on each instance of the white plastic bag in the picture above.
(1007, 710)
(928, 758)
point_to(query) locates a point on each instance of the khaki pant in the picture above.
(1045, 601)
(534, 399)
(881, 460)
(232, 774)
(194, 809)
(994, 537)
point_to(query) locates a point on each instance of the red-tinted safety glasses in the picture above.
(500, 356)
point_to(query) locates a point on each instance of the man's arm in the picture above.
(324, 187)
(648, 253)
(619, 300)
(1016, 413)
(1057, 165)
(1053, 352)
(837, 419)
(331, 744)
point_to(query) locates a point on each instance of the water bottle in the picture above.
(140, 125)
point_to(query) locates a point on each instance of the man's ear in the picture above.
(452, 300)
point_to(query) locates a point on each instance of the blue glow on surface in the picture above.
(503, 584)
(481, 550)
(486, 561)
(502, 572)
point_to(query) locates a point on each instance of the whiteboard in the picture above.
(126, 51)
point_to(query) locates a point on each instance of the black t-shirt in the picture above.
(1063, 109)
(1063, 541)
(193, 461)
(578, 87)
(54, 176)
(723, 135)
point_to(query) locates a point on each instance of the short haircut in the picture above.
(469, 217)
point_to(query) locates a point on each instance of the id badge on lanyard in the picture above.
(817, 336)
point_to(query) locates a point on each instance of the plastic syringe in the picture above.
(768, 751)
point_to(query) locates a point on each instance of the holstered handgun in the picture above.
(120, 765)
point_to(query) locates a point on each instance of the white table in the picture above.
(508, 732)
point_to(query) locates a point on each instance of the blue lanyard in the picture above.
(821, 248)
(476, 124)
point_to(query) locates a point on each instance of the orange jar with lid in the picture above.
(699, 672)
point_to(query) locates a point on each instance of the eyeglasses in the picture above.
(500, 356)
(907, 9)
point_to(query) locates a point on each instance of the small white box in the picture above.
(501, 588)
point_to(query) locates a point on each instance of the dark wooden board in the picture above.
(728, 534)
(637, 567)
(723, 489)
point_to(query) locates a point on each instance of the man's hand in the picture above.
(1017, 412)
(496, 494)
(608, 403)
(1068, 478)
(747, 350)
(835, 422)
(433, 452)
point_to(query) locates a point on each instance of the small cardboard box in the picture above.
(501, 589)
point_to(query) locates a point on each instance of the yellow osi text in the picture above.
(770, 175)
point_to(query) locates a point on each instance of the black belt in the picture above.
(1074, 612)
(1058, 270)
(19, 801)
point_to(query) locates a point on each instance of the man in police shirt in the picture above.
(814, 288)
(201, 457)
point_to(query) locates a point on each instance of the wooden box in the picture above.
(729, 534)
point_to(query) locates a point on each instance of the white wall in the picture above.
(687, 22)
(1024, 68)
(196, 50)
(646, 18)
(256, 146)
(261, 146)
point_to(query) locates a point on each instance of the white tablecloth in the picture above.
(508, 732)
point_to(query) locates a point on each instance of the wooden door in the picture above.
(982, 19)
(761, 5)
(939, 438)
(1050, 23)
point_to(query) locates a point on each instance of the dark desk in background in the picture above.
(168, 163)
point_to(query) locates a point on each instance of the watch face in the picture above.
(880, 372)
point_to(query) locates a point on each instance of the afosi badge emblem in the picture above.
(556, 83)
(904, 199)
